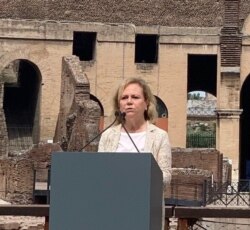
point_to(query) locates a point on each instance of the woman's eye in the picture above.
(135, 97)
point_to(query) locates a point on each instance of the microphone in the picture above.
(117, 114)
(123, 115)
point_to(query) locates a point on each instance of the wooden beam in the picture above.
(46, 225)
(169, 211)
(24, 210)
(213, 212)
(182, 224)
(184, 214)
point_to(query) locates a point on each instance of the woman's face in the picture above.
(132, 101)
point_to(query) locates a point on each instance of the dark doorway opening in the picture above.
(202, 72)
(202, 84)
(84, 45)
(21, 105)
(244, 164)
(146, 48)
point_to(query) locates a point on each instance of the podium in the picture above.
(105, 191)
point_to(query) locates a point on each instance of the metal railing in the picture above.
(228, 193)
(201, 140)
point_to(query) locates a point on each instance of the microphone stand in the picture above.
(117, 114)
(123, 126)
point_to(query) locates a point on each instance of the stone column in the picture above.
(227, 137)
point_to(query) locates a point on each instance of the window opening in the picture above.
(146, 48)
(84, 45)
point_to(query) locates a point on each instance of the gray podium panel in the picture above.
(105, 191)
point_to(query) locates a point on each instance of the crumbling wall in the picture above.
(78, 119)
(192, 169)
(187, 186)
(17, 172)
(206, 159)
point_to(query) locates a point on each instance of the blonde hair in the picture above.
(150, 114)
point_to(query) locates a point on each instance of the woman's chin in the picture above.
(130, 114)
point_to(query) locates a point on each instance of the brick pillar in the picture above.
(228, 112)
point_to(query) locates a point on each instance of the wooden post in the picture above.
(46, 226)
(166, 226)
(182, 224)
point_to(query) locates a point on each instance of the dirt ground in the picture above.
(21, 222)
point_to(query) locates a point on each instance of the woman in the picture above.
(135, 99)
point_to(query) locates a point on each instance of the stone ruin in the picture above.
(79, 116)
(78, 123)
(191, 169)
(17, 172)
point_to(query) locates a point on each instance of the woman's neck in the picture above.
(135, 127)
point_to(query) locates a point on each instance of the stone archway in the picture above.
(21, 103)
(162, 120)
(101, 122)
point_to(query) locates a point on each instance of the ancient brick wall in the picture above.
(191, 168)
(78, 119)
(206, 159)
(139, 12)
(69, 78)
(244, 11)
(170, 13)
(17, 173)
(187, 185)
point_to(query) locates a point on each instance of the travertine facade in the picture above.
(114, 61)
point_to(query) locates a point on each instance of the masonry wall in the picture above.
(245, 56)
(191, 167)
(195, 13)
(139, 12)
(46, 55)
(206, 159)
(167, 79)
(51, 41)
(79, 116)
(17, 173)
(187, 186)
(191, 170)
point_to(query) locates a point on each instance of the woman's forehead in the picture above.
(133, 86)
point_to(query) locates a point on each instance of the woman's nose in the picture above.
(129, 101)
